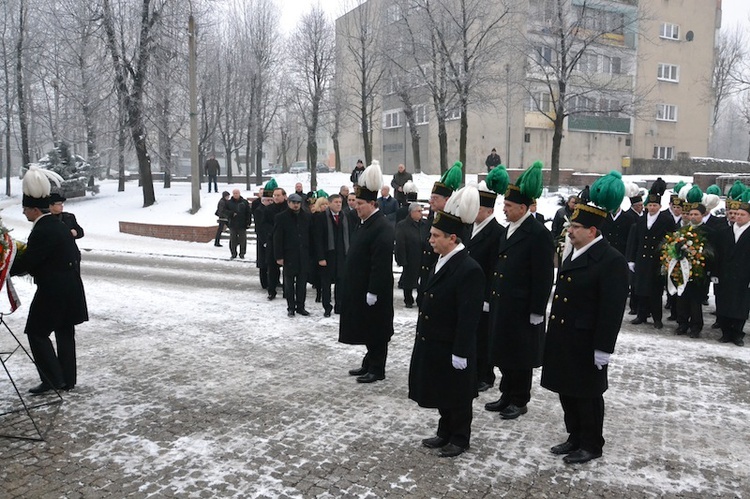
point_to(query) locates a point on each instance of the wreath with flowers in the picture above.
(9, 248)
(683, 258)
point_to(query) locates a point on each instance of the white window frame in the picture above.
(452, 114)
(669, 31)
(391, 119)
(588, 63)
(544, 55)
(612, 65)
(543, 98)
(664, 152)
(421, 116)
(666, 112)
(668, 72)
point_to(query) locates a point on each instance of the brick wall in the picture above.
(177, 232)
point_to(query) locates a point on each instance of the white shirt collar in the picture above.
(650, 219)
(479, 226)
(33, 224)
(579, 252)
(736, 228)
(514, 225)
(442, 260)
(614, 216)
(371, 214)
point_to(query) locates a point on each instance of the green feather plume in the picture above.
(679, 185)
(736, 191)
(608, 191)
(694, 195)
(271, 185)
(452, 177)
(321, 193)
(745, 196)
(497, 179)
(714, 189)
(530, 183)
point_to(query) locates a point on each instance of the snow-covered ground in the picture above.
(192, 384)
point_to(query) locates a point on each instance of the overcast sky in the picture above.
(734, 11)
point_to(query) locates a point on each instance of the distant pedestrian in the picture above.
(291, 247)
(238, 217)
(400, 178)
(492, 160)
(357, 172)
(409, 251)
(387, 204)
(212, 170)
(56, 209)
(221, 212)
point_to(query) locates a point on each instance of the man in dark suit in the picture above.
(584, 323)
(330, 233)
(367, 287)
(269, 216)
(483, 248)
(59, 304)
(263, 231)
(538, 216)
(56, 210)
(238, 216)
(616, 229)
(442, 373)
(733, 291)
(212, 171)
(643, 256)
(291, 247)
(521, 286)
(409, 251)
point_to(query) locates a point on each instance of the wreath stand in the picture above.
(58, 400)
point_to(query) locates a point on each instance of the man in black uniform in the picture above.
(616, 229)
(59, 304)
(442, 373)
(291, 247)
(585, 320)
(269, 214)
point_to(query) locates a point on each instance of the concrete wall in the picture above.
(686, 166)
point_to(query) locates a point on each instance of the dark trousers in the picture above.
(731, 328)
(327, 278)
(584, 421)
(212, 178)
(689, 312)
(274, 273)
(408, 297)
(455, 424)
(263, 273)
(55, 369)
(515, 386)
(238, 237)
(651, 304)
(633, 296)
(295, 290)
(219, 231)
(375, 358)
(485, 369)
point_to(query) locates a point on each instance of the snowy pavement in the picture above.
(192, 384)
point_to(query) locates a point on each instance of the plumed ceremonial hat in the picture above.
(606, 194)
(370, 182)
(460, 209)
(268, 189)
(495, 183)
(528, 187)
(410, 190)
(449, 181)
(37, 188)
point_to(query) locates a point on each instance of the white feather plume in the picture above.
(410, 187)
(483, 186)
(711, 201)
(372, 178)
(36, 182)
(632, 189)
(464, 204)
(683, 192)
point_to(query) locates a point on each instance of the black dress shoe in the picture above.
(451, 450)
(271, 296)
(409, 305)
(43, 388)
(580, 456)
(658, 324)
(672, 318)
(370, 378)
(513, 411)
(715, 325)
(564, 448)
(358, 372)
(637, 321)
(725, 339)
(497, 405)
(290, 313)
(327, 313)
(302, 311)
(632, 312)
(435, 442)
(739, 342)
(695, 333)
(483, 386)
(680, 331)
(218, 245)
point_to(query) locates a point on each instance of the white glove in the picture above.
(601, 359)
(486, 306)
(631, 266)
(536, 319)
(715, 280)
(458, 362)
(371, 299)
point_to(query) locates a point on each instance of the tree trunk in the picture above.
(312, 159)
(8, 126)
(228, 163)
(22, 118)
(554, 177)
(121, 139)
(144, 160)
(336, 151)
(415, 149)
(443, 143)
(364, 125)
(462, 141)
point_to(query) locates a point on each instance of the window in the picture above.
(392, 118)
(582, 105)
(666, 112)
(663, 152)
(669, 31)
(599, 20)
(420, 115)
(612, 65)
(668, 72)
(391, 84)
(539, 102)
(453, 114)
(543, 56)
(609, 107)
(588, 63)
(544, 11)
(393, 13)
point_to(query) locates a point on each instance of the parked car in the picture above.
(322, 168)
(298, 167)
(273, 170)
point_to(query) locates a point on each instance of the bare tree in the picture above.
(731, 55)
(745, 111)
(131, 75)
(569, 43)
(7, 52)
(20, 85)
(313, 54)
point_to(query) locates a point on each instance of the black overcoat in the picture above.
(733, 268)
(335, 258)
(521, 285)
(409, 250)
(369, 269)
(51, 258)
(484, 249)
(291, 240)
(446, 326)
(644, 249)
(617, 230)
(587, 309)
